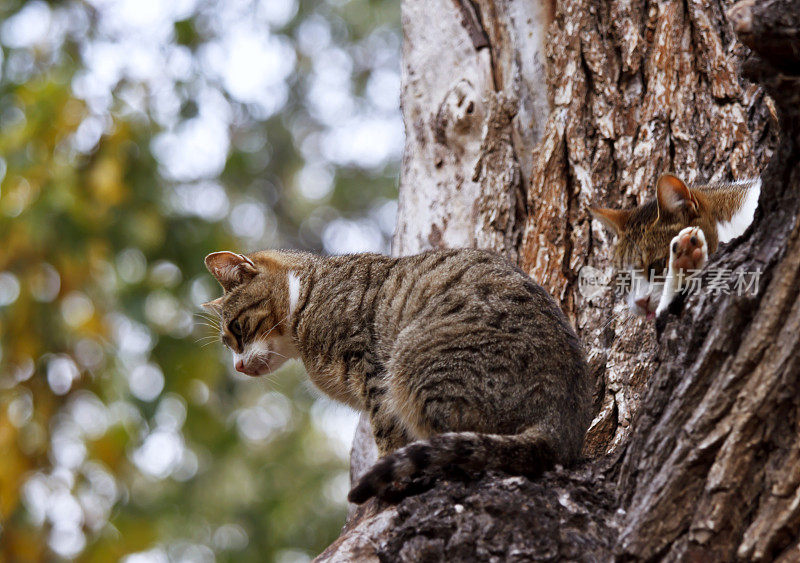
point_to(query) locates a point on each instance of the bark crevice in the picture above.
(471, 22)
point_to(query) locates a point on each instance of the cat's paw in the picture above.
(688, 250)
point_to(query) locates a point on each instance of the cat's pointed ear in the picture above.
(230, 269)
(214, 306)
(674, 195)
(613, 219)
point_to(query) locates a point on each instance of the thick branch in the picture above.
(567, 515)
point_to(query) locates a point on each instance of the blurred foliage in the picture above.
(133, 141)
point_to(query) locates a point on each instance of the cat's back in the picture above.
(470, 324)
(467, 284)
(476, 298)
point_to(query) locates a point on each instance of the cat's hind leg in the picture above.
(387, 429)
(687, 251)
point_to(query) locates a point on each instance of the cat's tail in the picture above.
(528, 453)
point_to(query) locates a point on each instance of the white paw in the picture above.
(688, 250)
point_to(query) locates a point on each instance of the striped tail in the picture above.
(529, 453)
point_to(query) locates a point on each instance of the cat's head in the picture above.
(644, 234)
(254, 308)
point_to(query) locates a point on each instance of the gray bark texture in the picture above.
(695, 450)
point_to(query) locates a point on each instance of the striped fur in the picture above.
(528, 453)
(458, 357)
(722, 211)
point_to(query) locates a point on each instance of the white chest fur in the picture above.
(294, 291)
(729, 230)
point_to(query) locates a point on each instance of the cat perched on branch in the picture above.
(459, 358)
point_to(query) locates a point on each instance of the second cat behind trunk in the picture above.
(458, 357)
(664, 239)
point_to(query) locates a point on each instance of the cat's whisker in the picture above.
(209, 318)
(214, 333)
(215, 328)
(204, 332)
(274, 327)
(207, 337)
(206, 314)
(214, 338)
(614, 317)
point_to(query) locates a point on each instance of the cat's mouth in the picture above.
(254, 367)
(262, 358)
(645, 306)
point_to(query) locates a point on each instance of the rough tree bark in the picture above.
(707, 466)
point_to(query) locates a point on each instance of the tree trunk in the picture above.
(473, 115)
(707, 465)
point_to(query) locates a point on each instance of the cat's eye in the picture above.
(236, 328)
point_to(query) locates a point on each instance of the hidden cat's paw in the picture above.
(688, 250)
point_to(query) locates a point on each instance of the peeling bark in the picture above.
(474, 105)
(695, 452)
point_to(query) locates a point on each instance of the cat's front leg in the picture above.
(687, 251)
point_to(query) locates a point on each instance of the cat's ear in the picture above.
(230, 269)
(674, 196)
(613, 219)
(214, 306)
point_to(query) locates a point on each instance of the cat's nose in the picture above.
(240, 366)
(643, 302)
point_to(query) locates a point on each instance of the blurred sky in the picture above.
(277, 123)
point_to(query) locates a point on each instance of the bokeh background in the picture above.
(136, 136)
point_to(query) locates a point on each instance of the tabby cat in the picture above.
(459, 358)
(674, 234)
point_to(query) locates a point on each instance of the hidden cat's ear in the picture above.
(230, 269)
(613, 219)
(214, 306)
(674, 195)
